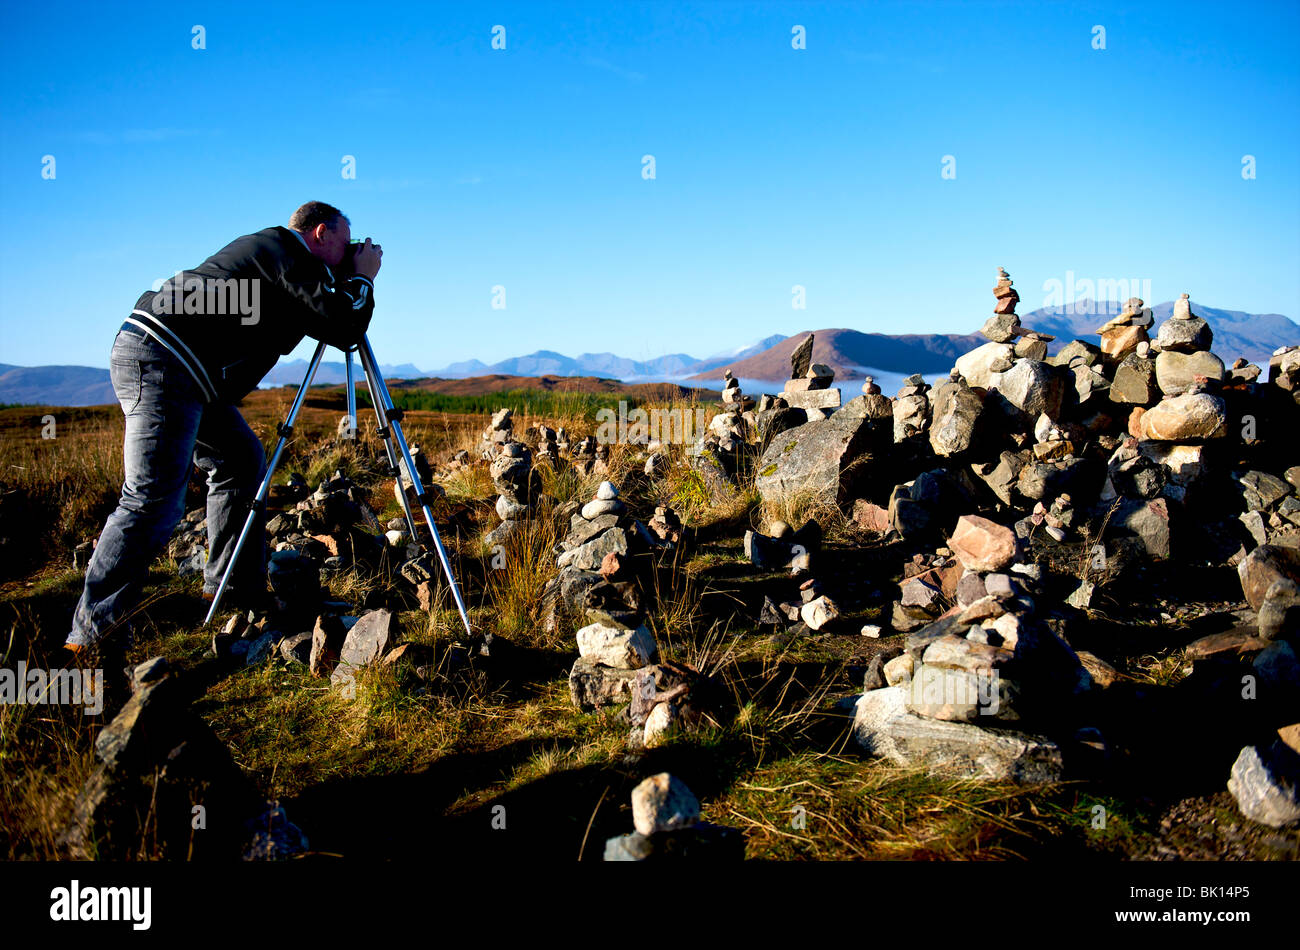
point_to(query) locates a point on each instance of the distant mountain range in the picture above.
(851, 353)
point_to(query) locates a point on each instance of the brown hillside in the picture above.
(846, 351)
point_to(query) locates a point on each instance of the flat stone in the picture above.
(1261, 490)
(366, 642)
(884, 727)
(297, 648)
(981, 544)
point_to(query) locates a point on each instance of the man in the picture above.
(186, 354)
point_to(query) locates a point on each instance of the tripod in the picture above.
(390, 430)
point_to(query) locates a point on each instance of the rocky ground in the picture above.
(1046, 608)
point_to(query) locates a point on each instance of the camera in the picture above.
(350, 257)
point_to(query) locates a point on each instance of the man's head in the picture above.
(326, 230)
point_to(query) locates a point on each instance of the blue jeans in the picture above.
(167, 424)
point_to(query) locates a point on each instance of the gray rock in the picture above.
(297, 648)
(581, 530)
(1264, 792)
(957, 411)
(588, 557)
(801, 358)
(884, 727)
(1261, 491)
(814, 461)
(592, 686)
(1148, 520)
(623, 649)
(1135, 382)
(1176, 372)
(1186, 336)
(1032, 386)
(259, 649)
(365, 643)
(663, 803)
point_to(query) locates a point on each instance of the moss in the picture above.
(770, 470)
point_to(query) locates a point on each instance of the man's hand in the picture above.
(367, 259)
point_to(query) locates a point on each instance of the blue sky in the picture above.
(774, 167)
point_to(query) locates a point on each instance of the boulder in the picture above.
(980, 364)
(814, 461)
(1194, 416)
(1266, 786)
(366, 642)
(1176, 372)
(1032, 386)
(957, 411)
(1263, 567)
(883, 727)
(622, 649)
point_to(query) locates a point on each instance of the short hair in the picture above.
(314, 213)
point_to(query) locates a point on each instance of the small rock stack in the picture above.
(590, 457)
(731, 394)
(548, 446)
(1009, 341)
(986, 659)
(809, 386)
(519, 486)
(1126, 333)
(1183, 353)
(911, 408)
(872, 404)
(597, 528)
(666, 816)
(499, 431)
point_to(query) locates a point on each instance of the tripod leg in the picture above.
(394, 463)
(390, 425)
(352, 395)
(259, 500)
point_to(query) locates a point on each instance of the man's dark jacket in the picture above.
(230, 319)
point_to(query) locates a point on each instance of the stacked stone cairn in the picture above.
(963, 690)
(499, 431)
(809, 386)
(666, 815)
(1109, 457)
(519, 486)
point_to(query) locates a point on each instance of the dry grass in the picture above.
(774, 745)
